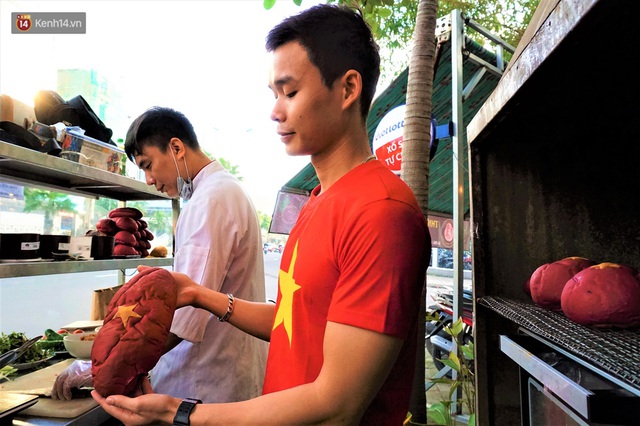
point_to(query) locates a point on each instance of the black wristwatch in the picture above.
(184, 411)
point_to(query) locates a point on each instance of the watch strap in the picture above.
(184, 411)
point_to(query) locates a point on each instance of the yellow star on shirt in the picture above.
(126, 312)
(288, 286)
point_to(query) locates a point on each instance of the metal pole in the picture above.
(457, 82)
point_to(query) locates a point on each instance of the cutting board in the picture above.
(41, 382)
(12, 403)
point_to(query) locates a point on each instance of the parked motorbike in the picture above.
(437, 340)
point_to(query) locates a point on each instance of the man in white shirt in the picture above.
(218, 244)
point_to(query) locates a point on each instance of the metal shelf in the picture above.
(28, 167)
(9, 270)
(35, 169)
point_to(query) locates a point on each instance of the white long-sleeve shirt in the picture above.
(219, 245)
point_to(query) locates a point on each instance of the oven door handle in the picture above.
(566, 389)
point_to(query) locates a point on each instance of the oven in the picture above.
(570, 374)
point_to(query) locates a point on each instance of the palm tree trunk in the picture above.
(48, 222)
(415, 159)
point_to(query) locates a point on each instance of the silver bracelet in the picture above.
(227, 315)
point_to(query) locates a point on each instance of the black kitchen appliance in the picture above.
(50, 244)
(570, 374)
(102, 247)
(19, 247)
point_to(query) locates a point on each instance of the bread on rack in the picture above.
(605, 295)
(548, 280)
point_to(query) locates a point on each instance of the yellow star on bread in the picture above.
(605, 265)
(126, 312)
(288, 286)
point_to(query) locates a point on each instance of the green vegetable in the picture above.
(6, 371)
(11, 341)
(51, 345)
(52, 335)
(52, 341)
(14, 341)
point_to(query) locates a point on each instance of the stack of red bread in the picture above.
(132, 236)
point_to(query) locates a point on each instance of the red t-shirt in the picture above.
(357, 255)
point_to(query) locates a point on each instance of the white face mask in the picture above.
(185, 188)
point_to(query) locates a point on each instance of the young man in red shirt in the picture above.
(343, 332)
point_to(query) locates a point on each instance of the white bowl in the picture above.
(79, 345)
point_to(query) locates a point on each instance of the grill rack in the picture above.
(616, 351)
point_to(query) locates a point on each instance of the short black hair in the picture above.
(336, 39)
(156, 126)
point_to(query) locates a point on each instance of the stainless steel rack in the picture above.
(35, 169)
(28, 167)
(12, 270)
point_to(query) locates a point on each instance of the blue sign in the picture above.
(8, 190)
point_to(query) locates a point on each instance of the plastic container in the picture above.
(80, 247)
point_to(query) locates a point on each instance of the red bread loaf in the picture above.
(143, 244)
(604, 295)
(126, 224)
(126, 238)
(548, 280)
(124, 250)
(129, 212)
(134, 333)
(107, 226)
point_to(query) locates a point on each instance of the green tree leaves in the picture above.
(232, 168)
(47, 202)
(265, 220)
